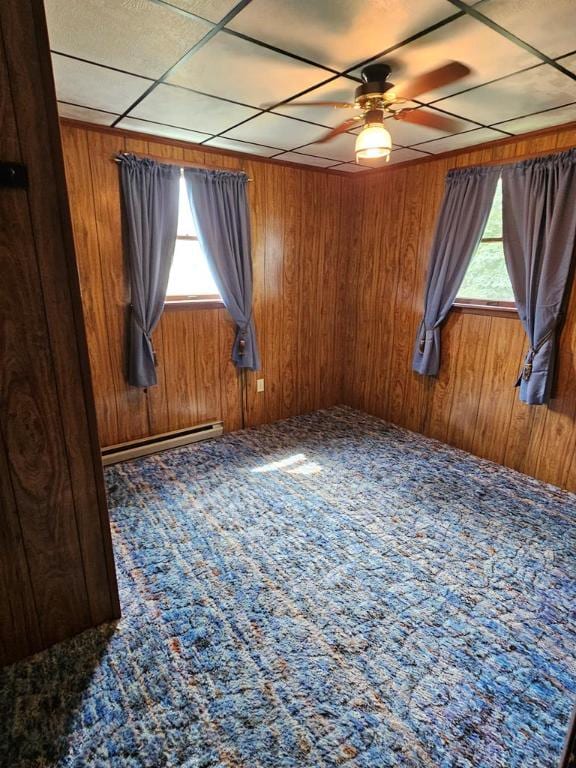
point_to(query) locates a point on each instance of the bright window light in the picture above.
(190, 276)
(297, 458)
(308, 468)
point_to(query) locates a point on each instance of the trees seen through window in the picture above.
(486, 280)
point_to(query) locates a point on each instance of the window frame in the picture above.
(192, 301)
(486, 306)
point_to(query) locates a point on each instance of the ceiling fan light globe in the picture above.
(373, 143)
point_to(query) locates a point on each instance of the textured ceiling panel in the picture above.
(241, 146)
(122, 34)
(233, 68)
(185, 109)
(132, 124)
(350, 168)
(403, 155)
(548, 26)
(461, 140)
(340, 148)
(541, 120)
(569, 62)
(277, 131)
(296, 157)
(532, 91)
(91, 86)
(73, 112)
(338, 33)
(213, 10)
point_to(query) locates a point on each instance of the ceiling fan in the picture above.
(377, 99)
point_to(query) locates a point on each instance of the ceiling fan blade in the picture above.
(429, 119)
(342, 128)
(436, 78)
(336, 104)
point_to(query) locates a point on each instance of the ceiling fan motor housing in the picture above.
(374, 83)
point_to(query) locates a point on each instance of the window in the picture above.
(190, 277)
(486, 281)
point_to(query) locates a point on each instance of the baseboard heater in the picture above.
(135, 448)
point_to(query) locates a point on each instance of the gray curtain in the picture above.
(150, 204)
(468, 196)
(539, 205)
(220, 208)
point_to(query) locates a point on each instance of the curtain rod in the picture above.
(179, 163)
(510, 160)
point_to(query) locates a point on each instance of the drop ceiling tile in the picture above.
(341, 89)
(186, 109)
(236, 69)
(536, 89)
(549, 27)
(156, 129)
(338, 33)
(296, 157)
(124, 35)
(461, 140)
(569, 62)
(488, 55)
(350, 168)
(242, 146)
(213, 10)
(94, 86)
(340, 148)
(73, 112)
(403, 155)
(541, 120)
(277, 131)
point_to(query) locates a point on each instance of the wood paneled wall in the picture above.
(296, 233)
(339, 269)
(56, 565)
(472, 404)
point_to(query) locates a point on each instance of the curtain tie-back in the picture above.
(146, 334)
(531, 354)
(527, 369)
(140, 324)
(243, 329)
(427, 336)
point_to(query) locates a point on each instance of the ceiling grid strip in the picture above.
(462, 9)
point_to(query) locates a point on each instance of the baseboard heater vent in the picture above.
(135, 448)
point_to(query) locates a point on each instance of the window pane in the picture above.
(487, 276)
(185, 221)
(494, 223)
(190, 274)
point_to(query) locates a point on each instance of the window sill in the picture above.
(193, 304)
(493, 310)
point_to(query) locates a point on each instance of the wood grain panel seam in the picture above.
(98, 242)
(25, 549)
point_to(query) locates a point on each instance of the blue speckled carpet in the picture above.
(325, 591)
